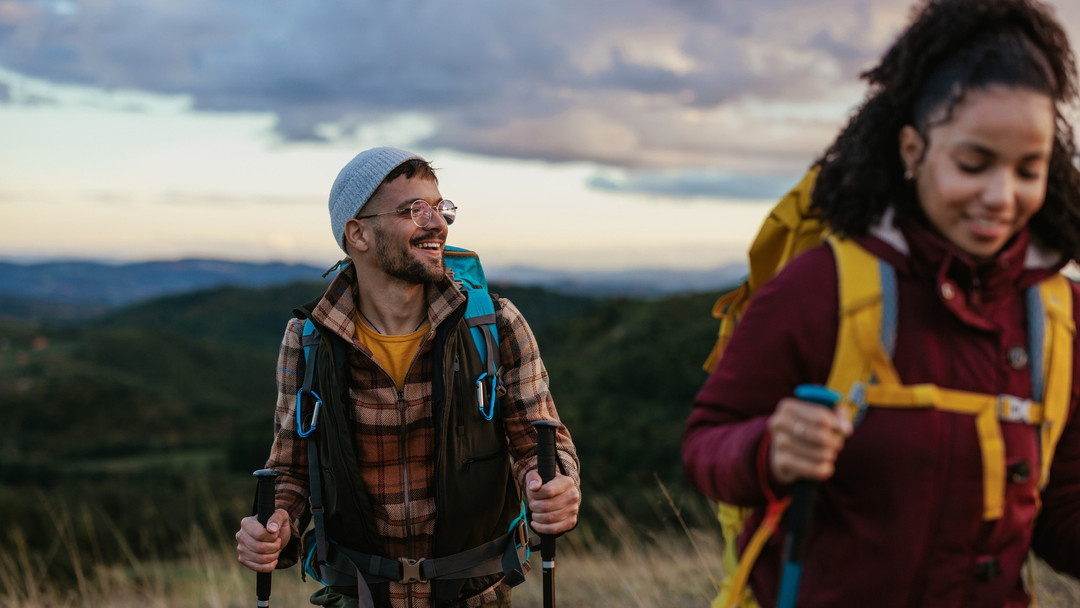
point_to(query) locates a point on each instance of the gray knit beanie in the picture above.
(357, 182)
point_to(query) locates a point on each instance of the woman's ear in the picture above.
(912, 147)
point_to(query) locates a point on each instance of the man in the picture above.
(431, 476)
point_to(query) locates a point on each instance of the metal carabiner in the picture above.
(314, 414)
(490, 413)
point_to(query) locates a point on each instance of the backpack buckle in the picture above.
(410, 570)
(1015, 409)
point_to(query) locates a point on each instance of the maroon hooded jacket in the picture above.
(900, 523)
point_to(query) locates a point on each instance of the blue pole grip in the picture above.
(801, 510)
(815, 393)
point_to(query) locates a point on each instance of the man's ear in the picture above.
(357, 235)
(912, 148)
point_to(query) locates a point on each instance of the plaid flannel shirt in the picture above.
(396, 430)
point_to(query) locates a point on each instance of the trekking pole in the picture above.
(802, 506)
(545, 464)
(264, 499)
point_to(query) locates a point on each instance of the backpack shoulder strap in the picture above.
(481, 320)
(866, 334)
(312, 341)
(1052, 334)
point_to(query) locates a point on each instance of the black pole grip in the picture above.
(545, 465)
(545, 448)
(265, 490)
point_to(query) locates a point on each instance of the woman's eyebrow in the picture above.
(987, 151)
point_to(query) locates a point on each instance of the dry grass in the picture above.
(641, 569)
(662, 574)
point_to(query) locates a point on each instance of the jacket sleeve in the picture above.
(785, 338)
(288, 454)
(527, 398)
(1057, 530)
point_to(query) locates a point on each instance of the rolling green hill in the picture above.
(113, 416)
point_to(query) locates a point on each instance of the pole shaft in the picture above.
(264, 501)
(545, 465)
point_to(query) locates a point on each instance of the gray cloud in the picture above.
(642, 85)
(696, 184)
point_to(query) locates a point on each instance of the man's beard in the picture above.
(400, 264)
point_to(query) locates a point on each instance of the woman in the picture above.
(957, 172)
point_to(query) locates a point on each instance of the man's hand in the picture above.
(554, 505)
(257, 547)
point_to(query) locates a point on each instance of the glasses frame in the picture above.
(416, 208)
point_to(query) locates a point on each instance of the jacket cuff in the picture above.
(770, 487)
(290, 554)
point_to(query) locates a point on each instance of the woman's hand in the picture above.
(806, 438)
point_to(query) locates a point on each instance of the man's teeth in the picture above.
(429, 246)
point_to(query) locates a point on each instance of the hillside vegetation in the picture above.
(149, 421)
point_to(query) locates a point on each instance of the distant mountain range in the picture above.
(642, 282)
(81, 288)
(95, 283)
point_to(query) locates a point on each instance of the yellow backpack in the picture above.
(863, 373)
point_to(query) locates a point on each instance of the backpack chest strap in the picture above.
(989, 411)
(863, 368)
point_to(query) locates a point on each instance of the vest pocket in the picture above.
(478, 460)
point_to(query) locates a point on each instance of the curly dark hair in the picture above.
(953, 47)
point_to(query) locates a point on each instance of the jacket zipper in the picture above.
(405, 471)
(405, 457)
(409, 549)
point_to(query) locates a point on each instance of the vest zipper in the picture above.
(402, 407)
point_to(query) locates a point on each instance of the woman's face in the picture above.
(982, 175)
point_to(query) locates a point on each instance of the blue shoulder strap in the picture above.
(1036, 313)
(480, 317)
(309, 339)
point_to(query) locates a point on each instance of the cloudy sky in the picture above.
(569, 132)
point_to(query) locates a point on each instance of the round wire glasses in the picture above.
(421, 212)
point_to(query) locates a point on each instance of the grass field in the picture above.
(637, 569)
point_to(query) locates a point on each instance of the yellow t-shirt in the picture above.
(393, 353)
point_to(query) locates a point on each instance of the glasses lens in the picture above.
(448, 210)
(421, 213)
